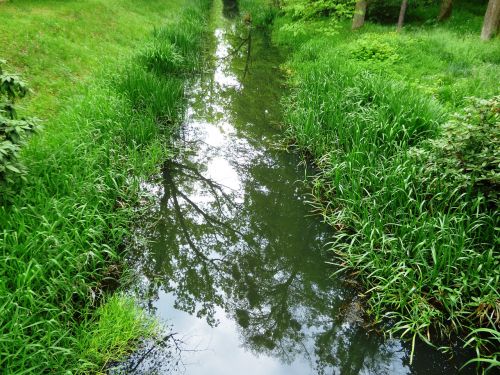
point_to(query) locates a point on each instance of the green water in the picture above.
(230, 255)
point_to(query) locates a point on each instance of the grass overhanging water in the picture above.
(415, 224)
(62, 230)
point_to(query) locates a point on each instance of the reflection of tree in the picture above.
(230, 8)
(212, 252)
(252, 252)
(155, 357)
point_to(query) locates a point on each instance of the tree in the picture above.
(446, 9)
(491, 20)
(402, 13)
(359, 14)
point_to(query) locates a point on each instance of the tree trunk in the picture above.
(402, 13)
(359, 14)
(491, 20)
(446, 8)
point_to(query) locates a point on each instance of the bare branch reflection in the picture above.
(231, 232)
(212, 252)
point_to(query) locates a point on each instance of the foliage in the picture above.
(308, 9)
(374, 48)
(329, 28)
(13, 131)
(467, 155)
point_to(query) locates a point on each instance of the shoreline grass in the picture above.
(62, 230)
(366, 106)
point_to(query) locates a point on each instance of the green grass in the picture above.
(445, 61)
(57, 44)
(62, 230)
(362, 106)
(118, 323)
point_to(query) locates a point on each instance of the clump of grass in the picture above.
(158, 96)
(113, 333)
(424, 248)
(162, 56)
(176, 46)
(185, 36)
(155, 83)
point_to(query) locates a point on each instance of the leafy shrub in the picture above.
(467, 155)
(13, 131)
(307, 9)
(374, 47)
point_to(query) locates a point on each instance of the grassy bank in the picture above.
(56, 45)
(408, 185)
(112, 93)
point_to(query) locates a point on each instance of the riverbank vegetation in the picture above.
(110, 94)
(403, 124)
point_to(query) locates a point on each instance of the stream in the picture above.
(230, 257)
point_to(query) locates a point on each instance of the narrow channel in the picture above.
(230, 255)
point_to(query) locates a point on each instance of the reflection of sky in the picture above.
(223, 155)
(218, 349)
(223, 76)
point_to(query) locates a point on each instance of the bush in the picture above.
(374, 47)
(304, 9)
(467, 155)
(13, 131)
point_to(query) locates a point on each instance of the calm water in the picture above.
(230, 256)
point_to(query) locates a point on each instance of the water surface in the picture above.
(230, 254)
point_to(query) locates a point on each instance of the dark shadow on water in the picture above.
(230, 8)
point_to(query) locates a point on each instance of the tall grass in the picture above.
(176, 46)
(424, 251)
(62, 231)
